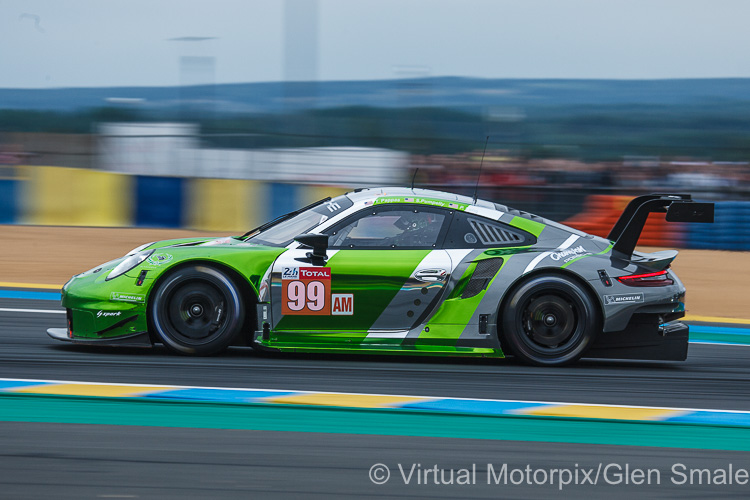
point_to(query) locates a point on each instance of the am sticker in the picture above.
(342, 304)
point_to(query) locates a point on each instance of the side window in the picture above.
(469, 231)
(391, 227)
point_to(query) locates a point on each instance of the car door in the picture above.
(384, 274)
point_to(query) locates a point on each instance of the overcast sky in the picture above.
(92, 43)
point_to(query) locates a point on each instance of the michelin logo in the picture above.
(630, 298)
(135, 298)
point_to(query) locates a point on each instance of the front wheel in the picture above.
(197, 310)
(549, 321)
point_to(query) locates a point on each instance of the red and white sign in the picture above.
(309, 273)
(342, 304)
(309, 294)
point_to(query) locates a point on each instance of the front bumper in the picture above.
(101, 310)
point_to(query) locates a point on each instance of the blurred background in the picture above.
(221, 115)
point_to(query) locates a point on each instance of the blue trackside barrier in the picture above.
(149, 201)
(730, 230)
(158, 201)
(8, 201)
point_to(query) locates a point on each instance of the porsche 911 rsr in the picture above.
(396, 270)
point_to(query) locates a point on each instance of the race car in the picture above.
(398, 271)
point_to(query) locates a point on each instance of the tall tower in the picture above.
(300, 53)
(300, 40)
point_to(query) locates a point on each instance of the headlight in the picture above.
(128, 264)
(138, 249)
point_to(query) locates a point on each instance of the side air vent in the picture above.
(483, 273)
(493, 235)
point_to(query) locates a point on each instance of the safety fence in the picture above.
(81, 197)
(44, 195)
(730, 230)
(602, 211)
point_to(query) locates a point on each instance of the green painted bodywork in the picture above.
(528, 225)
(97, 305)
(117, 308)
(373, 282)
(393, 349)
(360, 272)
(455, 313)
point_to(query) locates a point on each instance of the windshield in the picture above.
(284, 232)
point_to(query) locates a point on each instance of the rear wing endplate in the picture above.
(678, 207)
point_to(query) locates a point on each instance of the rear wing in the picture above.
(678, 207)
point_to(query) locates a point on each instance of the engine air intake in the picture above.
(481, 277)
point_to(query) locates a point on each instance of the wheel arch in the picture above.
(563, 273)
(246, 289)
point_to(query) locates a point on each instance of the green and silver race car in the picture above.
(396, 270)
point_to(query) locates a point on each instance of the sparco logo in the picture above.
(570, 251)
(106, 314)
(623, 299)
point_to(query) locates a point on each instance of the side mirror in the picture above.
(319, 244)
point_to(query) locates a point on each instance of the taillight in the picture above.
(660, 278)
(69, 315)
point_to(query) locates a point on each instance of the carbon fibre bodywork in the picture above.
(405, 271)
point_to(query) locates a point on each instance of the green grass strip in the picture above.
(391, 422)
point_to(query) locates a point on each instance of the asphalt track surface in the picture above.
(99, 461)
(102, 461)
(714, 376)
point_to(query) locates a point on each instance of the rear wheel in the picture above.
(549, 321)
(197, 310)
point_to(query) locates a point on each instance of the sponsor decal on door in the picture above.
(306, 291)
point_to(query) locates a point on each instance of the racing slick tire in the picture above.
(549, 320)
(197, 310)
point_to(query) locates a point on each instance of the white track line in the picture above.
(33, 311)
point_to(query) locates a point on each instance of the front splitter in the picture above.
(138, 339)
